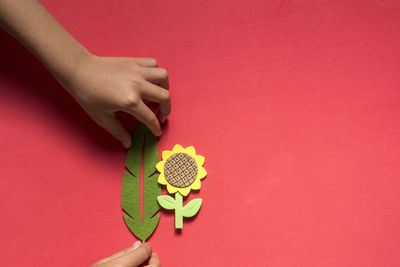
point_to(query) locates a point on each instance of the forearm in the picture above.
(30, 23)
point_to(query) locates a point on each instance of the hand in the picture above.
(131, 257)
(103, 86)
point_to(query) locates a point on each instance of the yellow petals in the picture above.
(160, 166)
(171, 189)
(202, 173)
(196, 184)
(161, 179)
(184, 191)
(166, 154)
(199, 160)
(191, 151)
(178, 148)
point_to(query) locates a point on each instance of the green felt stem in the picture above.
(178, 211)
(189, 210)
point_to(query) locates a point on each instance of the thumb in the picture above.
(119, 258)
(134, 257)
(114, 127)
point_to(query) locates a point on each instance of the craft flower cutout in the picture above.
(181, 170)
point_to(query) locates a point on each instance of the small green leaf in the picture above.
(192, 207)
(166, 202)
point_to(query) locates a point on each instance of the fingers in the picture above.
(131, 257)
(121, 253)
(134, 257)
(115, 128)
(155, 75)
(159, 95)
(154, 261)
(152, 92)
(153, 85)
(146, 62)
(145, 115)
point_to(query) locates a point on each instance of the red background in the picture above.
(294, 104)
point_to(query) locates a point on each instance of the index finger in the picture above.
(159, 95)
(142, 112)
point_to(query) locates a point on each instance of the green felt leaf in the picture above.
(130, 198)
(167, 202)
(136, 226)
(143, 141)
(152, 191)
(192, 207)
(151, 155)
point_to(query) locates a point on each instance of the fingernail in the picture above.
(126, 144)
(136, 245)
(161, 117)
(158, 133)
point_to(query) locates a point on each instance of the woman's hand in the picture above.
(105, 85)
(131, 257)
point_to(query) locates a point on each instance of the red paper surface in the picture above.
(294, 104)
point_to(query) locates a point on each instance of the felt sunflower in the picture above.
(181, 170)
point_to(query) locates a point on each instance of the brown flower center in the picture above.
(180, 169)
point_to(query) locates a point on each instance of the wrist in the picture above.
(66, 69)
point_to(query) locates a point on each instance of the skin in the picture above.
(101, 85)
(131, 257)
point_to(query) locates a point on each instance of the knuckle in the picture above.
(129, 66)
(133, 68)
(136, 81)
(132, 100)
